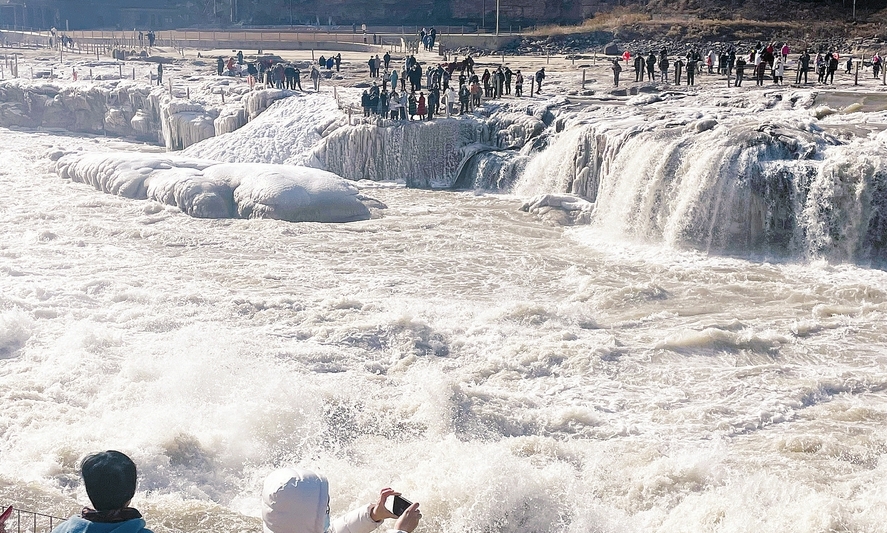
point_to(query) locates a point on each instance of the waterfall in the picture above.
(738, 186)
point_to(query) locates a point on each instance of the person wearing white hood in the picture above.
(298, 501)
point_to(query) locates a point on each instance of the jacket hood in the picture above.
(75, 524)
(294, 501)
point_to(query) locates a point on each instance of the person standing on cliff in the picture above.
(518, 84)
(678, 67)
(639, 67)
(159, 73)
(651, 66)
(803, 66)
(315, 77)
(760, 69)
(387, 59)
(740, 70)
(617, 68)
(540, 75)
(832, 67)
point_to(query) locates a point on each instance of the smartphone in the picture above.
(8, 512)
(399, 505)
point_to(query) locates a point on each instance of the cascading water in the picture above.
(725, 185)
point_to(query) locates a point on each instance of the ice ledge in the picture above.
(208, 189)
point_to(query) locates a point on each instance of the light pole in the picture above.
(483, 14)
(497, 17)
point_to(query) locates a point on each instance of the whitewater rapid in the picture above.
(510, 375)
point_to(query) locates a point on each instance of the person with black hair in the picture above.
(110, 481)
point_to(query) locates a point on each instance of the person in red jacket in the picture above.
(420, 106)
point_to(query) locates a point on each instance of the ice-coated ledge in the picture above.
(130, 109)
(208, 189)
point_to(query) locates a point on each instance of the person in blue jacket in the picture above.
(110, 481)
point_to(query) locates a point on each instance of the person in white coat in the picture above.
(452, 99)
(298, 501)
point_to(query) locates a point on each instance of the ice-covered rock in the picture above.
(284, 133)
(292, 193)
(560, 209)
(209, 189)
(309, 129)
(126, 109)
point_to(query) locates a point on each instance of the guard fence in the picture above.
(22, 521)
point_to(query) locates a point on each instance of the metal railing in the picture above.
(23, 521)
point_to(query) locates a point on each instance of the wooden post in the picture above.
(548, 57)
(532, 79)
(188, 92)
(120, 70)
(223, 97)
(133, 74)
(583, 78)
(856, 77)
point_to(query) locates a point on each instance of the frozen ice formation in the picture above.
(561, 209)
(309, 129)
(128, 109)
(209, 189)
(735, 183)
(745, 173)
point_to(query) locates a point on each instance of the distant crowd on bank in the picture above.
(735, 65)
(453, 87)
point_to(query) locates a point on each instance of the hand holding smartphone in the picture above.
(399, 504)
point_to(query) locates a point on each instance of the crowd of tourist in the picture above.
(735, 65)
(450, 86)
(456, 87)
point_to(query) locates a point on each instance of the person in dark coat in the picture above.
(617, 68)
(433, 101)
(365, 103)
(740, 71)
(540, 75)
(651, 66)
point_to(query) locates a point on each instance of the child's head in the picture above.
(110, 479)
